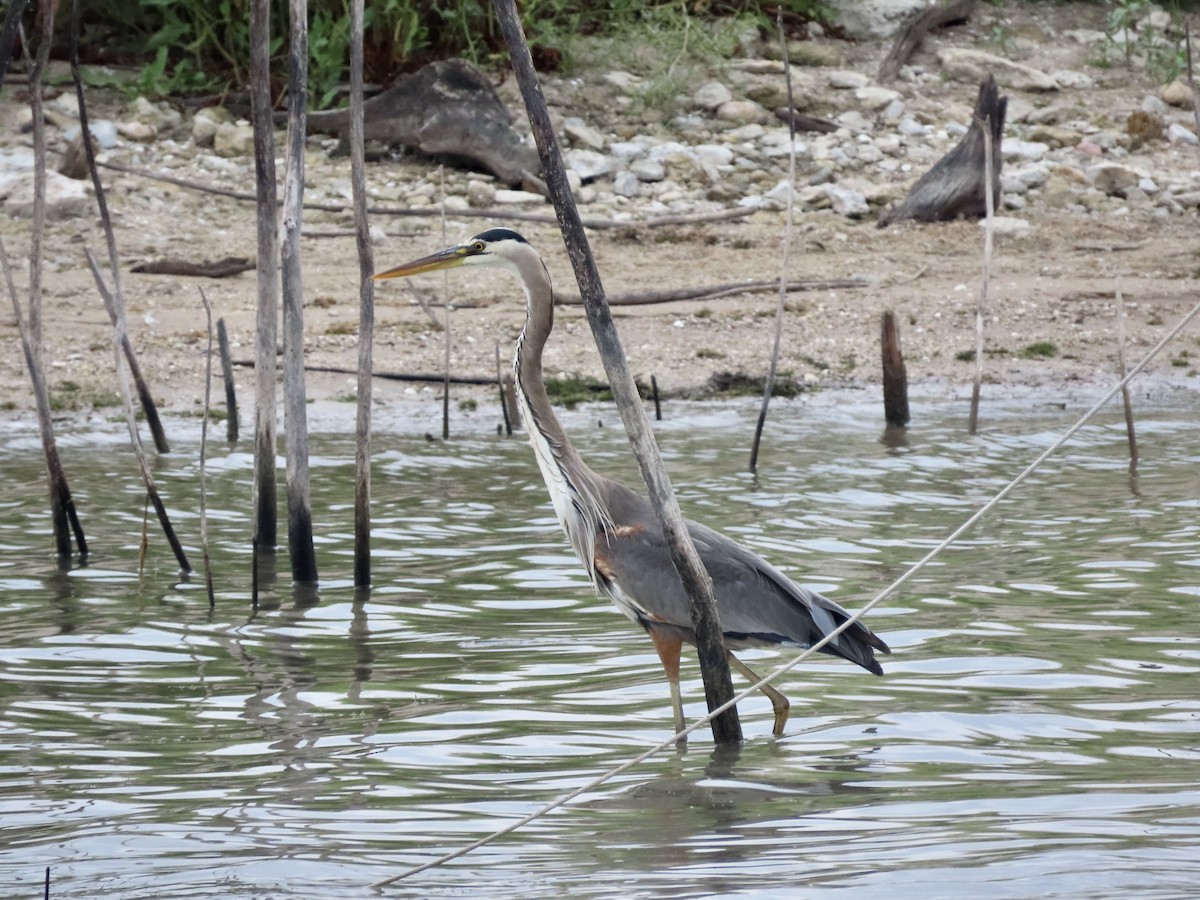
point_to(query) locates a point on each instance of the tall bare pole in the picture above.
(981, 309)
(366, 307)
(265, 520)
(295, 400)
(769, 382)
(710, 645)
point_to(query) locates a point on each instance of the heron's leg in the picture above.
(778, 702)
(668, 647)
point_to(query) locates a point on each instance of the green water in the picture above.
(1037, 732)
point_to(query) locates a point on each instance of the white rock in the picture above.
(1017, 149)
(875, 98)
(1176, 133)
(893, 111)
(205, 124)
(873, 19)
(742, 112)
(234, 139)
(964, 64)
(623, 81)
(751, 132)
(854, 120)
(1029, 176)
(627, 150)
(104, 133)
(588, 164)
(1007, 226)
(910, 127)
(711, 95)
(377, 235)
(626, 184)
(847, 79)
(481, 194)
(1070, 79)
(649, 170)
(138, 132)
(65, 197)
(846, 201)
(162, 116)
(1154, 105)
(583, 135)
(518, 198)
(713, 154)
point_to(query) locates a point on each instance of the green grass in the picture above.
(1039, 350)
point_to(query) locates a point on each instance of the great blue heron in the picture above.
(615, 532)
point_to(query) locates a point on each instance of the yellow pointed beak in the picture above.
(443, 259)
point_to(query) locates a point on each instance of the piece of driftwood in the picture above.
(711, 292)
(954, 187)
(941, 14)
(445, 109)
(219, 268)
(801, 122)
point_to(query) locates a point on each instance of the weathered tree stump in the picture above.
(954, 187)
(449, 110)
(948, 12)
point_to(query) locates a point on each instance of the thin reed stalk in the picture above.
(145, 397)
(1126, 400)
(769, 384)
(117, 312)
(981, 308)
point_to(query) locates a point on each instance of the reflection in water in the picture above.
(1037, 724)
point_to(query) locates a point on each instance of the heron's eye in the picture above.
(477, 246)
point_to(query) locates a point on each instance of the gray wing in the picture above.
(757, 603)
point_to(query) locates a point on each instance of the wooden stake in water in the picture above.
(295, 399)
(895, 377)
(208, 578)
(265, 517)
(63, 517)
(231, 407)
(366, 307)
(710, 645)
(503, 397)
(981, 309)
(657, 406)
(1125, 398)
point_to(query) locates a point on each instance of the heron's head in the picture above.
(494, 247)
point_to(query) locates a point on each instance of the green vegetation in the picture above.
(575, 389)
(202, 46)
(1039, 350)
(707, 353)
(68, 396)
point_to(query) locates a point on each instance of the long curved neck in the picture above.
(527, 366)
(575, 490)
